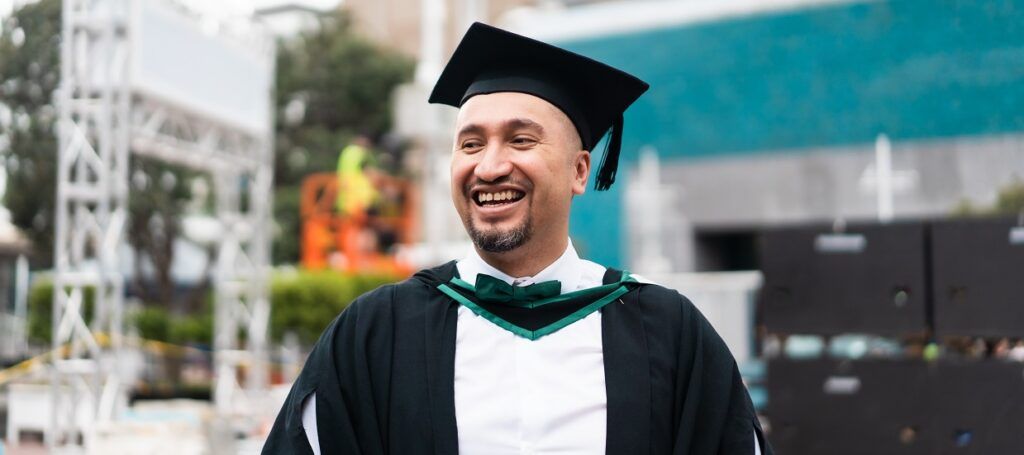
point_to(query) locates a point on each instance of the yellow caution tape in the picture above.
(152, 346)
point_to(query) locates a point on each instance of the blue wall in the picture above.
(822, 76)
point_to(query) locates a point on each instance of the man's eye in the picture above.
(523, 141)
(470, 145)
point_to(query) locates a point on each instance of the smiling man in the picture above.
(521, 347)
(513, 179)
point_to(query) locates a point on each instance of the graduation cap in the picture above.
(593, 95)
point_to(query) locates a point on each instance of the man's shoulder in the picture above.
(654, 296)
(414, 289)
(660, 297)
(654, 287)
(595, 273)
(665, 303)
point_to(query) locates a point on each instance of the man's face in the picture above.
(517, 163)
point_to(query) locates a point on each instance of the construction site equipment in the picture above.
(357, 240)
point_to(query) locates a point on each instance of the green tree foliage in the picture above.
(331, 86)
(29, 74)
(159, 193)
(287, 224)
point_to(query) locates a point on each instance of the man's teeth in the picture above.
(499, 196)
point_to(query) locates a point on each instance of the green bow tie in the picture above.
(491, 289)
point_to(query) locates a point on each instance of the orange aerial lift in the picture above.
(365, 239)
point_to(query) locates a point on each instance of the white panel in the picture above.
(175, 61)
(726, 299)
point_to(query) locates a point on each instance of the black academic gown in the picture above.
(383, 374)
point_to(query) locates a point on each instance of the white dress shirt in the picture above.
(514, 396)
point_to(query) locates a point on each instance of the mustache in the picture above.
(476, 184)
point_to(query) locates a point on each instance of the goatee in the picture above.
(500, 241)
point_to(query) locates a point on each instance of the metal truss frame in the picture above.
(103, 122)
(241, 166)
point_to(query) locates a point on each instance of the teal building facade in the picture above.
(942, 79)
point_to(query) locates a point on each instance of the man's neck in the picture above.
(527, 260)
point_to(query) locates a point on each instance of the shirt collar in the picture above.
(566, 269)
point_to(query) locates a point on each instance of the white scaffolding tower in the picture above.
(140, 77)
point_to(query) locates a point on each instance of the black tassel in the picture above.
(610, 159)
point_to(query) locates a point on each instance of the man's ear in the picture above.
(581, 164)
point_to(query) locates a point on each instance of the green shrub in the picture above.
(156, 323)
(153, 322)
(40, 311)
(303, 302)
(192, 329)
(306, 301)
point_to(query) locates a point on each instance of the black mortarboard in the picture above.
(593, 95)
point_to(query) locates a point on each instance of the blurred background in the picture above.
(193, 190)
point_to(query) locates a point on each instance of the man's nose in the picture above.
(494, 164)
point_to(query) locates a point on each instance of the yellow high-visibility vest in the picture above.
(355, 191)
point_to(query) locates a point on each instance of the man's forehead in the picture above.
(511, 108)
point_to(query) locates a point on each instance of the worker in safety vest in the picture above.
(356, 192)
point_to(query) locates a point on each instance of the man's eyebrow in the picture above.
(524, 123)
(510, 124)
(472, 128)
